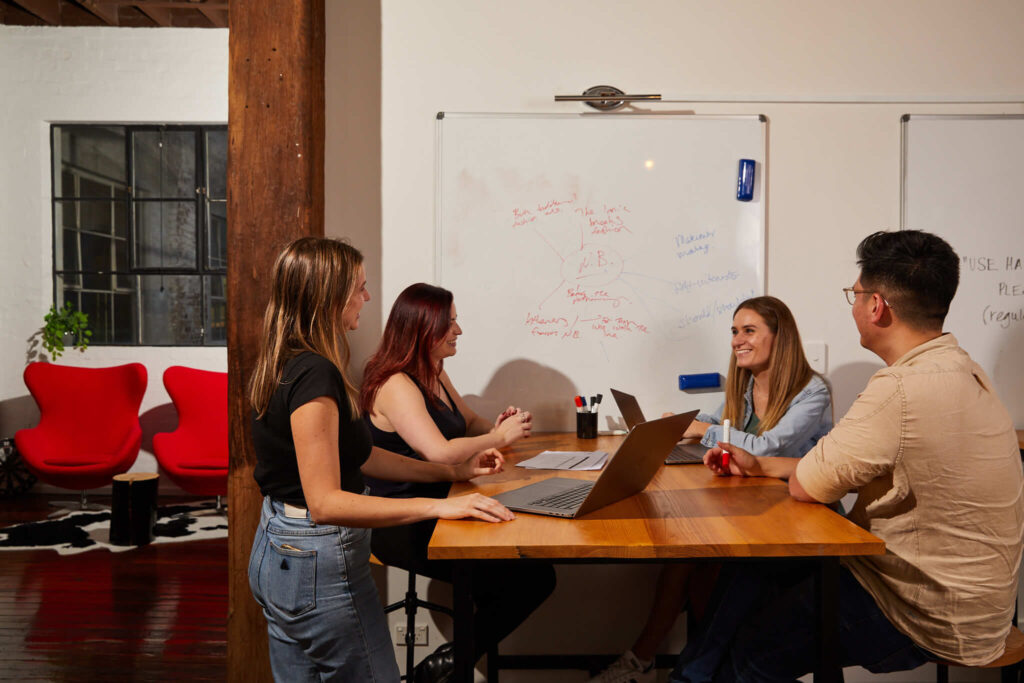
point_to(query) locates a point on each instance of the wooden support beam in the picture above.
(217, 17)
(47, 10)
(160, 15)
(106, 11)
(275, 194)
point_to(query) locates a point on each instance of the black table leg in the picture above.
(829, 669)
(462, 600)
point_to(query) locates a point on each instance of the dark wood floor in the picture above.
(155, 613)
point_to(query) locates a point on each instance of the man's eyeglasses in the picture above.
(851, 295)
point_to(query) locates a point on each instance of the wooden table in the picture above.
(685, 512)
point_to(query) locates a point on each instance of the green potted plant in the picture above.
(63, 326)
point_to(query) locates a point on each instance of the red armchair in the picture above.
(195, 455)
(89, 429)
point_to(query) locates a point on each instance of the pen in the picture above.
(579, 404)
(726, 425)
(593, 404)
(583, 402)
(596, 402)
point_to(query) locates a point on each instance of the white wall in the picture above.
(833, 168)
(87, 75)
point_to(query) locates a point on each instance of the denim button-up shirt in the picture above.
(808, 418)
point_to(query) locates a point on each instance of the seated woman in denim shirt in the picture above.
(778, 406)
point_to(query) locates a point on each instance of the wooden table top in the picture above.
(685, 512)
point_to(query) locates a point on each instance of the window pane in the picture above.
(121, 255)
(95, 152)
(90, 215)
(67, 214)
(165, 164)
(98, 216)
(124, 319)
(217, 235)
(97, 305)
(217, 163)
(87, 187)
(111, 312)
(97, 254)
(121, 216)
(171, 312)
(165, 235)
(216, 310)
(67, 257)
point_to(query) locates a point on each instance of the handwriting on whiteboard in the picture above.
(594, 295)
(997, 275)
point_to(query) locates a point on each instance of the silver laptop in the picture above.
(681, 454)
(628, 471)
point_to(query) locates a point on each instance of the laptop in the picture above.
(628, 471)
(681, 454)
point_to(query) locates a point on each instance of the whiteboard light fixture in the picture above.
(606, 98)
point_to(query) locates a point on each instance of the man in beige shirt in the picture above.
(932, 454)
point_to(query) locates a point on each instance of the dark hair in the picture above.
(419, 320)
(917, 273)
(790, 371)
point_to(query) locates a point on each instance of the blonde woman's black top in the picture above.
(305, 377)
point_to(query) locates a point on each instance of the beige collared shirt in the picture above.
(934, 455)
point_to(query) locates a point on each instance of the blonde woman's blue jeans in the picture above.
(324, 618)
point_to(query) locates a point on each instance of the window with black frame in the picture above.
(140, 231)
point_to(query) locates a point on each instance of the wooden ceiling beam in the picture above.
(47, 10)
(217, 17)
(171, 4)
(106, 11)
(160, 15)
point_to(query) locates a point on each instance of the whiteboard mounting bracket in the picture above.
(606, 98)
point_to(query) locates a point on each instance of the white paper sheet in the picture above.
(566, 460)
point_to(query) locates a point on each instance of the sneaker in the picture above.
(626, 669)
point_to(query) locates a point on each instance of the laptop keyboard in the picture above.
(566, 500)
(683, 454)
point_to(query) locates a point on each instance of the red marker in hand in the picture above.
(725, 438)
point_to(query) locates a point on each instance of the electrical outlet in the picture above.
(421, 634)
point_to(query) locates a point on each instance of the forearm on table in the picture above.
(384, 464)
(454, 451)
(777, 467)
(354, 510)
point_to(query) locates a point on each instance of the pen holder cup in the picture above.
(586, 425)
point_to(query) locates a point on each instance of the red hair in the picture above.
(419, 320)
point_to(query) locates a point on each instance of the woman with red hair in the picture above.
(412, 408)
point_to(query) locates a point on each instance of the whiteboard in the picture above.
(595, 251)
(963, 179)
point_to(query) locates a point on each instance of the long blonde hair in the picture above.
(313, 279)
(789, 371)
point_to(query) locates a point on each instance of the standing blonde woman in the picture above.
(309, 566)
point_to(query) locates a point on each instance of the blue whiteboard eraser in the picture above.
(745, 180)
(701, 380)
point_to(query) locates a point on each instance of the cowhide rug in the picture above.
(81, 531)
